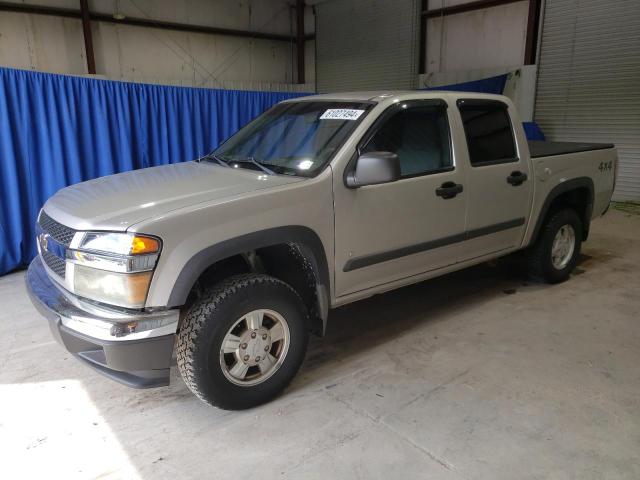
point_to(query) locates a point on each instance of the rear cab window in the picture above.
(489, 132)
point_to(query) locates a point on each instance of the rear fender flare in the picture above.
(573, 184)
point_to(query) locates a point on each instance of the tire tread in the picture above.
(537, 255)
(196, 319)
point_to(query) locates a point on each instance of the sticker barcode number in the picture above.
(341, 114)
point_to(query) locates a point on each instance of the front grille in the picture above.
(57, 231)
(54, 263)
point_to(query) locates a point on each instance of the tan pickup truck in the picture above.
(229, 261)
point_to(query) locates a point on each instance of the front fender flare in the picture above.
(306, 239)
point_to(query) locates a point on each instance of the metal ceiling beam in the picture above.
(465, 7)
(88, 39)
(145, 22)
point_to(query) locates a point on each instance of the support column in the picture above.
(88, 40)
(300, 39)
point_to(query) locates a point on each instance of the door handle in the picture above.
(448, 190)
(517, 178)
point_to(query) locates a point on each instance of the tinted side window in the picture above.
(488, 130)
(419, 135)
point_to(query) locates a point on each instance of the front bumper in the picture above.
(133, 349)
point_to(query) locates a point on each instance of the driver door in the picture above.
(388, 232)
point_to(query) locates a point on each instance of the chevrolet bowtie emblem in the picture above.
(44, 241)
(49, 244)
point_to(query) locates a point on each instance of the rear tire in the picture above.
(243, 342)
(556, 252)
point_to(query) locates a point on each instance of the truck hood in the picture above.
(118, 201)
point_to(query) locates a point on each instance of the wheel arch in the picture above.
(304, 239)
(577, 193)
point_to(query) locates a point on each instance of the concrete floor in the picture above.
(478, 375)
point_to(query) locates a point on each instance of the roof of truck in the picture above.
(382, 95)
(373, 95)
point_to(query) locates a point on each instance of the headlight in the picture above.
(114, 268)
(119, 243)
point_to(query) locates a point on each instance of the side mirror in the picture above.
(374, 168)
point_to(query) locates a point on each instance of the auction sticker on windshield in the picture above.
(341, 114)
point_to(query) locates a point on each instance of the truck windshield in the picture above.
(295, 138)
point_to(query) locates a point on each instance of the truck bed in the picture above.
(540, 148)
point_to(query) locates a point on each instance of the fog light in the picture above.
(122, 289)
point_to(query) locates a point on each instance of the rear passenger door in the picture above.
(499, 184)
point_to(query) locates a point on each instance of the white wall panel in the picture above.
(37, 42)
(123, 52)
(265, 15)
(487, 38)
(187, 58)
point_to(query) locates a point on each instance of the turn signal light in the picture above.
(141, 245)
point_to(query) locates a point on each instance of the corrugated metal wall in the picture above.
(366, 45)
(589, 79)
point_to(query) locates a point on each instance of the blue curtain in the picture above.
(486, 85)
(533, 131)
(58, 130)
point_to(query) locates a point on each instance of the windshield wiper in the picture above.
(253, 161)
(215, 157)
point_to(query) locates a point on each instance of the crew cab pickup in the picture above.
(230, 261)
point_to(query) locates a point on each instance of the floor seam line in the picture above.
(381, 422)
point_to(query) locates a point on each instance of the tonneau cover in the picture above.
(548, 149)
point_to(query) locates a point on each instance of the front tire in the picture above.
(556, 252)
(243, 342)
